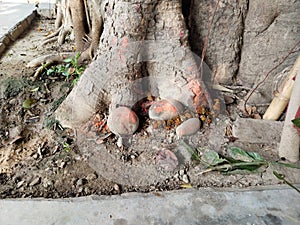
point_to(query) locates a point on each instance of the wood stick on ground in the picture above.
(282, 98)
(290, 140)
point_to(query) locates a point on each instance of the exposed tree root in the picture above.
(47, 60)
(49, 40)
(51, 58)
(69, 13)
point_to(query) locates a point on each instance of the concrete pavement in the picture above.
(275, 205)
(14, 20)
(15, 17)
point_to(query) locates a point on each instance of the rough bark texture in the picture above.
(143, 49)
(78, 18)
(248, 38)
(226, 36)
(272, 28)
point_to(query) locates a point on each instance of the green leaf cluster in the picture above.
(236, 160)
(70, 68)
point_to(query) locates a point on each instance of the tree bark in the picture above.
(78, 18)
(143, 49)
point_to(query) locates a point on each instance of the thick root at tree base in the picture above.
(47, 60)
(50, 59)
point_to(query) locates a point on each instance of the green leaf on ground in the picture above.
(296, 122)
(28, 103)
(212, 158)
(68, 60)
(255, 156)
(237, 154)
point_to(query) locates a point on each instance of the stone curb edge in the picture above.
(13, 34)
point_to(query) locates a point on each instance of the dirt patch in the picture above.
(38, 158)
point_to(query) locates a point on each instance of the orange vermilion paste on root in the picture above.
(199, 98)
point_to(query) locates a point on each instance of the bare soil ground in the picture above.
(38, 158)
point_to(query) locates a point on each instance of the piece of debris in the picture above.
(185, 178)
(189, 127)
(35, 181)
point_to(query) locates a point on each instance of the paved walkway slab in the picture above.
(15, 18)
(13, 13)
(274, 205)
(257, 131)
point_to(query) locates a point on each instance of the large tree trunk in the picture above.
(143, 49)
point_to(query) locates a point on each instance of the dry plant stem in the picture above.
(39, 70)
(207, 38)
(49, 40)
(52, 37)
(290, 140)
(229, 167)
(282, 98)
(54, 33)
(268, 74)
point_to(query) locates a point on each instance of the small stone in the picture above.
(122, 121)
(120, 142)
(181, 172)
(185, 179)
(176, 177)
(117, 187)
(35, 156)
(80, 190)
(62, 165)
(13, 101)
(91, 176)
(47, 183)
(166, 159)
(35, 181)
(81, 182)
(77, 157)
(15, 131)
(228, 99)
(165, 110)
(19, 184)
(189, 127)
